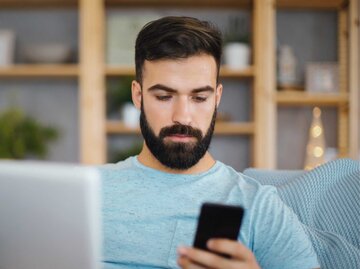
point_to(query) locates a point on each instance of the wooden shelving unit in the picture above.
(36, 70)
(311, 99)
(310, 4)
(37, 3)
(181, 3)
(294, 4)
(225, 72)
(92, 72)
(346, 100)
(120, 71)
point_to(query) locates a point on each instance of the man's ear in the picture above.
(136, 93)
(218, 94)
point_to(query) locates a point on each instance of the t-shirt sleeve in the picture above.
(279, 238)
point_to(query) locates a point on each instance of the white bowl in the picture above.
(47, 53)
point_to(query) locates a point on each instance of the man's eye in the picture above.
(199, 99)
(163, 97)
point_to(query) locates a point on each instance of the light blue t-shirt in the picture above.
(147, 214)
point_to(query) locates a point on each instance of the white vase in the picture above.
(130, 115)
(7, 43)
(287, 67)
(237, 55)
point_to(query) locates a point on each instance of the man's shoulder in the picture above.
(244, 180)
(114, 170)
(127, 163)
(249, 190)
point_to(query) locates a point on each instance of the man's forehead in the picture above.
(182, 59)
(198, 59)
(193, 72)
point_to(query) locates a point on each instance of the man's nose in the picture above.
(182, 111)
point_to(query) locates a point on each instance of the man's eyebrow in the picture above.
(161, 87)
(203, 89)
(171, 90)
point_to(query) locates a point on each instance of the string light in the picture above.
(316, 146)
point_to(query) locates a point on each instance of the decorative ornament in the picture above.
(286, 67)
(315, 148)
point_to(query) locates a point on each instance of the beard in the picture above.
(177, 155)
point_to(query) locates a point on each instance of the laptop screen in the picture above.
(50, 216)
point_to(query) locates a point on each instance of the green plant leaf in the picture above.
(22, 136)
(118, 93)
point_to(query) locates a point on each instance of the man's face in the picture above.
(178, 101)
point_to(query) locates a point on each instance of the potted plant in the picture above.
(120, 155)
(23, 137)
(119, 99)
(236, 44)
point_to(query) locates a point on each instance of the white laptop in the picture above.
(49, 216)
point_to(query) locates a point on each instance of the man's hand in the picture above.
(241, 257)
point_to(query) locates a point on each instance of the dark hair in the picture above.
(176, 37)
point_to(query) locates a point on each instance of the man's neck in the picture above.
(148, 159)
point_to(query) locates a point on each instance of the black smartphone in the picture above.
(217, 221)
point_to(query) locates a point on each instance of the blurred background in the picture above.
(66, 68)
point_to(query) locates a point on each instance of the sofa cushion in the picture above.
(327, 201)
(273, 177)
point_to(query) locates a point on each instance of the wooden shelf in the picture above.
(120, 71)
(39, 70)
(225, 72)
(181, 3)
(37, 3)
(310, 99)
(222, 128)
(234, 128)
(311, 4)
(307, 4)
(118, 127)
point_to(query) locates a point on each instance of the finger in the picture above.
(233, 248)
(210, 260)
(204, 258)
(186, 263)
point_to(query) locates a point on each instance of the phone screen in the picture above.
(217, 221)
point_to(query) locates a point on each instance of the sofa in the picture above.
(327, 202)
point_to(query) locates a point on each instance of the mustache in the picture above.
(180, 129)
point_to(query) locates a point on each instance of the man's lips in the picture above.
(180, 137)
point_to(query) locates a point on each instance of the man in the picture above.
(152, 201)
